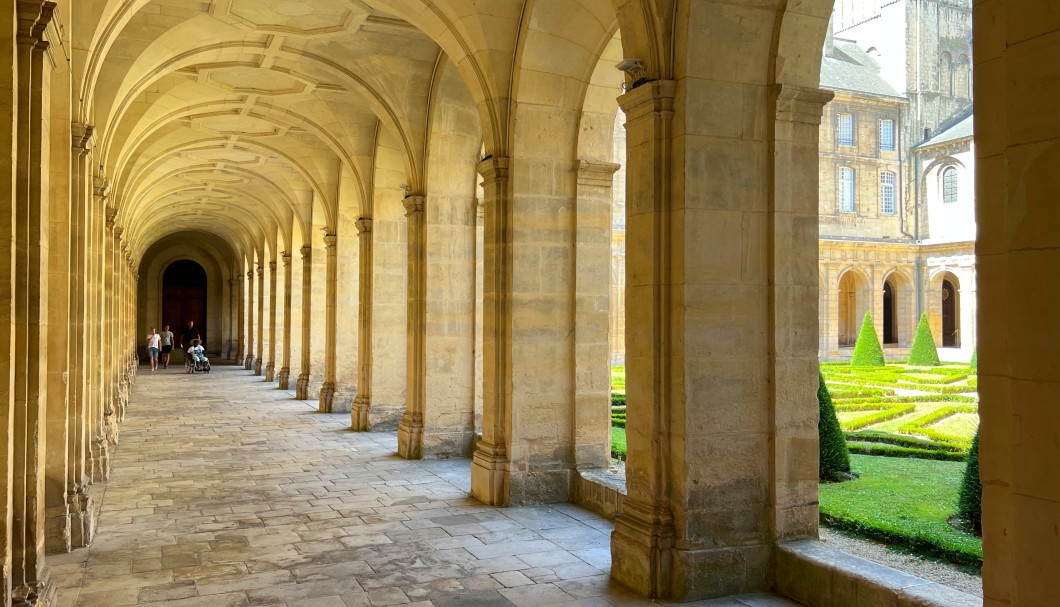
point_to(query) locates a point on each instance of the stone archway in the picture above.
(951, 312)
(853, 302)
(184, 296)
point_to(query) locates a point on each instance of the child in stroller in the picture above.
(196, 359)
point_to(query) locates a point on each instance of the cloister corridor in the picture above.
(225, 491)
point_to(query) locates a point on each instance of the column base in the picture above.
(82, 517)
(490, 474)
(257, 367)
(38, 594)
(642, 549)
(248, 362)
(301, 387)
(57, 529)
(359, 413)
(327, 397)
(410, 436)
(270, 372)
(99, 461)
(283, 379)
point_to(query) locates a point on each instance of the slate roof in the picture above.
(846, 67)
(962, 130)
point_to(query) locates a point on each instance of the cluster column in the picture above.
(363, 401)
(270, 366)
(410, 430)
(248, 362)
(327, 389)
(261, 319)
(301, 391)
(284, 377)
(30, 577)
(490, 464)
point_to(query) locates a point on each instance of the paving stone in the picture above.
(237, 495)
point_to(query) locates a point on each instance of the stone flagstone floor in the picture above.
(227, 492)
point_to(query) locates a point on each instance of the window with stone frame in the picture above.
(847, 190)
(949, 184)
(845, 129)
(887, 190)
(886, 135)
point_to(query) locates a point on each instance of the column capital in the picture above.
(112, 216)
(100, 186)
(493, 168)
(652, 96)
(34, 15)
(250, 275)
(118, 231)
(261, 270)
(286, 258)
(307, 252)
(233, 282)
(800, 103)
(81, 137)
(272, 267)
(414, 204)
(364, 225)
(596, 173)
(330, 240)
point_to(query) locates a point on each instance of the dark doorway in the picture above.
(950, 324)
(184, 297)
(890, 318)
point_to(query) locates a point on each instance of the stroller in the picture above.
(196, 360)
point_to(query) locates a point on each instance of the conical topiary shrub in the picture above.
(867, 349)
(970, 499)
(974, 363)
(835, 458)
(924, 351)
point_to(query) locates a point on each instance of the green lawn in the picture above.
(618, 378)
(905, 502)
(618, 443)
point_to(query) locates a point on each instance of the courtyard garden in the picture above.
(908, 429)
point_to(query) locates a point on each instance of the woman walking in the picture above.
(154, 341)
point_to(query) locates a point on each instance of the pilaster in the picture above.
(491, 463)
(31, 582)
(642, 543)
(248, 361)
(270, 366)
(261, 319)
(283, 380)
(410, 430)
(362, 403)
(327, 389)
(301, 391)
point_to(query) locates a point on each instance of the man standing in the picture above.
(167, 345)
(190, 333)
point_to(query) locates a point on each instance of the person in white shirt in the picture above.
(154, 342)
(197, 352)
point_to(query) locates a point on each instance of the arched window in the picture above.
(946, 74)
(887, 206)
(846, 190)
(949, 184)
(961, 76)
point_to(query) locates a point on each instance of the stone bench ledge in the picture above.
(815, 575)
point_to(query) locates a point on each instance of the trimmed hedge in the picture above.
(970, 498)
(885, 450)
(876, 418)
(867, 349)
(618, 399)
(898, 440)
(835, 459)
(974, 363)
(923, 352)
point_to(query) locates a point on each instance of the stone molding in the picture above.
(599, 174)
(801, 104)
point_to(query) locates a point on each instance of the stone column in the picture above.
(363, 402)
(79, 496)
(284, 378)
(327, 389)
(261, 319)
(99, 455)
(107, 343)
(592, 308)
(248, 362)
(793, 314)
(236, 307)
(270, 366)
(410, 430)
(119, 395)
(490, 464)
(301, 391)
(31, 581)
